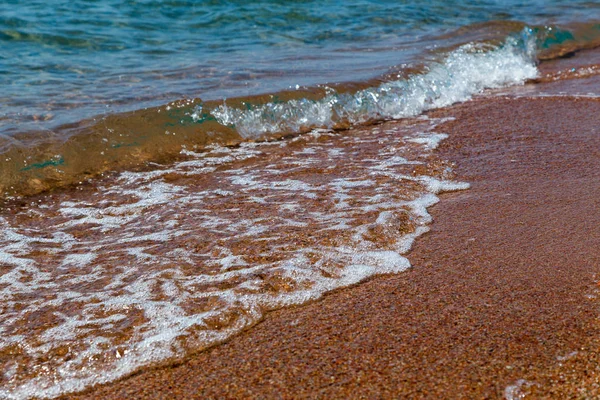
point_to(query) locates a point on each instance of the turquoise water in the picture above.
(63, 61)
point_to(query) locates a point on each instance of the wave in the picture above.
(35, 162)
(468, 70)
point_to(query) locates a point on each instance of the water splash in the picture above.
(465, 71)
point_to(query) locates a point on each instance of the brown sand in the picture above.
(504, 288)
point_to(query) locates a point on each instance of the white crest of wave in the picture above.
(466, 71)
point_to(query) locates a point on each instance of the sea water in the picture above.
(62, 62)
(171, 171)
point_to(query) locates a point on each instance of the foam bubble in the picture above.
(98, 284)
(515, 392)
(431, 141)
(466, 71)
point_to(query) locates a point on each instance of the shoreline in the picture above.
(501, 299)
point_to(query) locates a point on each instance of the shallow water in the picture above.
(78, 137)
(151, 266)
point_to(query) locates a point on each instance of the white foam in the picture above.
(79, 259)
(515, 392)
(152, 251)
(439, 186)
(429, 140)
(465, 72)
(567, 356)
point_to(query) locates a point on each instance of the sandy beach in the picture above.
(501, 300)
(288, 200)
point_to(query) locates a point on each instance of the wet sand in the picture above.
(502, 299)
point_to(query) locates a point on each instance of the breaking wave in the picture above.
(465, 71)
(35, 162)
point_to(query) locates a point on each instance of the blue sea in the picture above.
(67, 61)
(170, 171)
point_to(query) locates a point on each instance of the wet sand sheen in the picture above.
(501, 299)
(150, 267)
